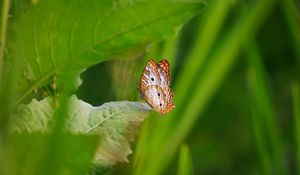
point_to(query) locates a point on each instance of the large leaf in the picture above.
(115, 122)
(56, 38)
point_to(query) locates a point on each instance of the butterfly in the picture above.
(155, 86)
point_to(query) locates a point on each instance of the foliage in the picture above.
(233, 66)
(208, 70)
(116, 123)
(48, 44)
(67, 37)
(74, 153)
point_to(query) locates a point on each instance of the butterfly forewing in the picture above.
(150, 75)
(164, 72)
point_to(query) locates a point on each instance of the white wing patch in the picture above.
(151, 77)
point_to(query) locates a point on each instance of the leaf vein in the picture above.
(102, 121)
(132, 28)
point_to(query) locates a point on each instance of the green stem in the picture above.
(4, 20)
(296, 109)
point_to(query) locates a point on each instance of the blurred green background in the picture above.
(235, 74)
(231, 134)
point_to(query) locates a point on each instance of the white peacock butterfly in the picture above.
(155, 86)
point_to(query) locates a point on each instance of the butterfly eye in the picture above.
(152, 79)
(160, 104)
(158, 94)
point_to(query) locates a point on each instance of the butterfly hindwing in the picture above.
(156, 98)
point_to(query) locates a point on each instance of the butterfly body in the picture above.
(155, 86)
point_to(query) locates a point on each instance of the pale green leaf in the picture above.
(115, 122)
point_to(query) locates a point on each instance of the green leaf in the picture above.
(60, 38)
(75, 153)
(115, 122)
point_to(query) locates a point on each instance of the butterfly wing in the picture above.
(156, 98)
(154, 85)
(169, 98)
(150, 75)
(164, 72)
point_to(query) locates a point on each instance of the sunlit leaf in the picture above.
(116, 123)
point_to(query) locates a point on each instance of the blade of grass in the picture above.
(144, 144)
(142, 147)
(6, 94)
(185, 165)
(59, 150)
(290, 11)
(258, 136)
(4, 18)
(213, 20)
(221, 62)
(53, 145)
(169, 50)
(264, 106)
(296, 110)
